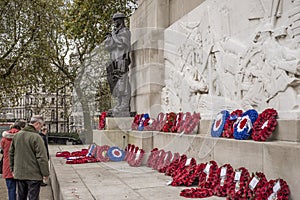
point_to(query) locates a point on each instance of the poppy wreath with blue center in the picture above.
(115, 154)
(244, 125)
(219, 123)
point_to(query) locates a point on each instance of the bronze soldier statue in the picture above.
(119, 46)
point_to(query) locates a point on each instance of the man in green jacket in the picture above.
(28, 160)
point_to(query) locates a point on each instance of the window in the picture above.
(52, 115)
(62, 128)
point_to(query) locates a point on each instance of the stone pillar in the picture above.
(147, 26)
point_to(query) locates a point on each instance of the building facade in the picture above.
(55, 107)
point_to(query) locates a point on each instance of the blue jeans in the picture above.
(11, 187)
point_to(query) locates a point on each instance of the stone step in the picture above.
(277, 159)
(286, 130)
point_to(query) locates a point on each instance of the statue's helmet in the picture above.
(118, 16)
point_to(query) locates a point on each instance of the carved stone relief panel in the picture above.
(234, 54)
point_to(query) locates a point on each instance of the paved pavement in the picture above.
(109, 180)
(103, 181)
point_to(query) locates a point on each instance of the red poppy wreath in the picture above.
(101, 154)
(274, 189)
(265, 125)
(136, 160)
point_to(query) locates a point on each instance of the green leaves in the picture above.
(37, 39)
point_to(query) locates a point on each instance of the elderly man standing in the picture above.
(28, 160)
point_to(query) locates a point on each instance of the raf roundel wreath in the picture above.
(244, 124)
(115, 154)
(219, 123)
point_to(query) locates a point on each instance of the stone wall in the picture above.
(147, 25)
(206, 56)
(228, 55)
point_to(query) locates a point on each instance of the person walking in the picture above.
(43, 134)
(28, 160)
(6, 140)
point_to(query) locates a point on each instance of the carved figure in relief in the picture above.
(268, 70)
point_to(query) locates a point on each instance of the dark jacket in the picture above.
(45, 139)
(28, 155)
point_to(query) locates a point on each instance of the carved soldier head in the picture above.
(118, 19)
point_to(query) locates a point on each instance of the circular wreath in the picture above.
(176, 163)
(160, 121)
(160, 159)
(243, 126)
(101, 154)
(151, 156)
(239, 189)
(278, 189)
(151, 124)
(191, 123)
(209, 177)
(255, 184)
(265, 125)
(102, 118)
(155, 161)
(228, 128)
(175, 157)
(184, 173)
(128, 151)
(218, 124)
(115, 154)
(165, 161)
(132, 154)
(169, 122)
(184, 121)
(176, 125)
(226, 176)
(143, 122)
(136, 160)
(135, 122)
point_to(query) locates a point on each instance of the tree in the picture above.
(85, 26)
(24, 46)
(51, 43)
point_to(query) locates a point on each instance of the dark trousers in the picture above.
(11, 187)
(27, 188)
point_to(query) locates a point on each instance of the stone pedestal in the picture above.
(121, 123)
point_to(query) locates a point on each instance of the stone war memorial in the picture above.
(216, 86)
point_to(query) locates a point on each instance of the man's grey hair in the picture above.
(36, 118)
